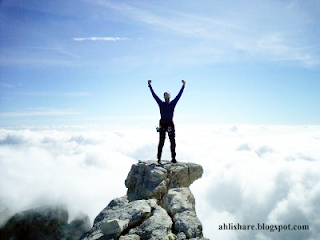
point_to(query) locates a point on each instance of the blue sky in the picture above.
(88, 62)
(250, 65)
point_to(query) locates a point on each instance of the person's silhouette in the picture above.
(166, 122)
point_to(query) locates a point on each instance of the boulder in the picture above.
(113, 228)
(118, 216)
(130, 237)
(180, 204)
(148, 180)
(157, 226)
(178, 200)
(188, 223)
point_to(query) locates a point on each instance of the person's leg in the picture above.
(162, 137)
(171, 133)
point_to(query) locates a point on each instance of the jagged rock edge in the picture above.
(127, 230)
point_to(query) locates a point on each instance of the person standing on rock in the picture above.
(166, 122)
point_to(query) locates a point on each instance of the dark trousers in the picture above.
(166, 126)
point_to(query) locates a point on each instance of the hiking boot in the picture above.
(174, 160)
(159, 161)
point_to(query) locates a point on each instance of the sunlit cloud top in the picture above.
(271, 171)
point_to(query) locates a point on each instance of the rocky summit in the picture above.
(158, 205)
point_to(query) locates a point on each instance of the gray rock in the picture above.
(113, 228)
(188, 223)
(118, 216)
(178, 200)
(183, 174)
(157, 226)
(118, 202)
(180, 204)
(181, 236)
(130, 237)
(158, 205)
(114, 204)
(147, 180)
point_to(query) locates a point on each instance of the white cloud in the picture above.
(252, 174)
(100, 39)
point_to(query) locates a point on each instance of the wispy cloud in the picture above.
(52, 49)
(100, 39)
(6, 85)
(76, 94)
(26, 60)
(52, 94)
(244, 36)
(38, 56)
(53, 112)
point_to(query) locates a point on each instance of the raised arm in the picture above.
(176, 99)
(153, 94)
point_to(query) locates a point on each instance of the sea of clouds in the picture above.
(252, 174)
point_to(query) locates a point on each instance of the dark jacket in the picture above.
(166, 108)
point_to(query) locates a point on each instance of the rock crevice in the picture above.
(158, 205)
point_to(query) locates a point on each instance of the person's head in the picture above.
(167, 96)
